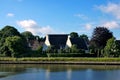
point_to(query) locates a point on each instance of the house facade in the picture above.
(61, 41)
(56, 40)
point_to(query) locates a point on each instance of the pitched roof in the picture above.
(79, 42)
(58, 40)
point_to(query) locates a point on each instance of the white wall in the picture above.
(47, 43)
(68, 43)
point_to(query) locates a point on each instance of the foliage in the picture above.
(38, 52)
(74, 49)
(73, 34)
(85, 37)
(112, 48)
(7, 31)
(100, 36)
(27, 35)
(16, 46)
(39, 49)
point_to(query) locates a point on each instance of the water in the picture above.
(58, 72)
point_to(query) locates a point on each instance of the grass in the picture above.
(60, 59)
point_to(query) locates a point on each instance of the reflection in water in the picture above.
(47, 74)
(58, 72)
(69, 72)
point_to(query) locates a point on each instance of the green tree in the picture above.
(100, 36)
(16, 46)
(74, 49)
(85, 37)
(7, 31)
(112, 48)
(27, 35)
(117, 49)
(73, 34)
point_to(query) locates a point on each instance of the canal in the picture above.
(58, 72)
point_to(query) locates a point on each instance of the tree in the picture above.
(7, 31)
(16, 46)
(27, 35)
(73, 35)
(112, 48)
(108, 47)
(85, 37)
(100, 36)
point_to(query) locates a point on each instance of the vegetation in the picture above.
(60, 59)
(15, 44)
(12, 44)
(27, 35)
(112, 48)
(73, 35)
(85, 37)
(99, 39)
(100, 36)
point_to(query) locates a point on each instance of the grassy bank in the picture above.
(61, 59)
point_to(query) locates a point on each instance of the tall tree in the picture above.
(27, 35)
(16, 46)
(73, 34)
(100, 36)
(7, 31)
(112, 48)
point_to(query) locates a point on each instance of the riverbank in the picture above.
(61, 60)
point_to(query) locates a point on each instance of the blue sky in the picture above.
(43, 17)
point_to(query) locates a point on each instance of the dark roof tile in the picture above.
(79, 42)
(58, 40)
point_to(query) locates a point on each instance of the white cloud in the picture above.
(10, 15)
(111, 8)
(111, 24)
(32, 26)
(88, 26)
(81, 16)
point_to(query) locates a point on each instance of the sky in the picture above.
(43, 17)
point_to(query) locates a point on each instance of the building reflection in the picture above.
(69, 73)
(47, 74)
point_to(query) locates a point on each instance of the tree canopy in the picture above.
(11, 40)
(85, 37)
(112, 48)
(100, 36)
(27, 35)
(8, 31)
(74, 35)
(16, 46)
